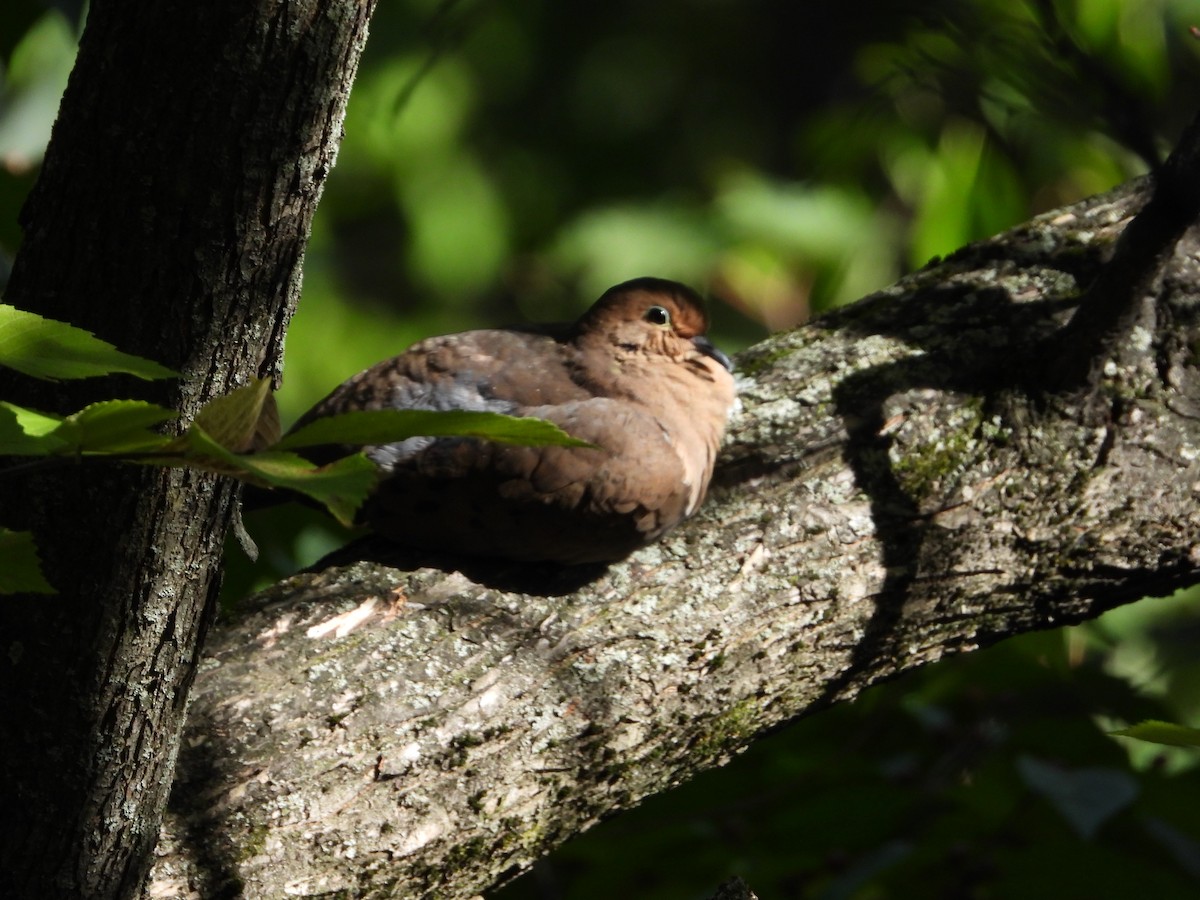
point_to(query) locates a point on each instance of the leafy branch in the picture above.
(237, 435)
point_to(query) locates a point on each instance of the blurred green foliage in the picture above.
(510, 161)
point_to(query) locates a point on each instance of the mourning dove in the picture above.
(634, 375)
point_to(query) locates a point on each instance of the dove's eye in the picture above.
(658, 315)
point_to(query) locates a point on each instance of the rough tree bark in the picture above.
(896, 488)
(170, 218)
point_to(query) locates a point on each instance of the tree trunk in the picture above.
(170, 218)
(895, 489)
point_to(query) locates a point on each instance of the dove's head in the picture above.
(648, 320)
(644, 342)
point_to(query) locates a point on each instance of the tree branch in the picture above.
(888, 495)
(1114, 299)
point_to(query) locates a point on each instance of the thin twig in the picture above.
(1111, 304)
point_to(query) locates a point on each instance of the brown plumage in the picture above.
(634, 375)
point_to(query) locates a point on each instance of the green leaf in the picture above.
(386, 426)
(111, 426)
(46, 348)
(115, 426)
(242, 419)
(1162, 733)
(20, 568)
(27, 432)
(32, 422)
(341, 487)
(1086, 798)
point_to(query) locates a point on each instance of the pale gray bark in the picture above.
(893, 490)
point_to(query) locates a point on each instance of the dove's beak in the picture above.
(705, 346)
